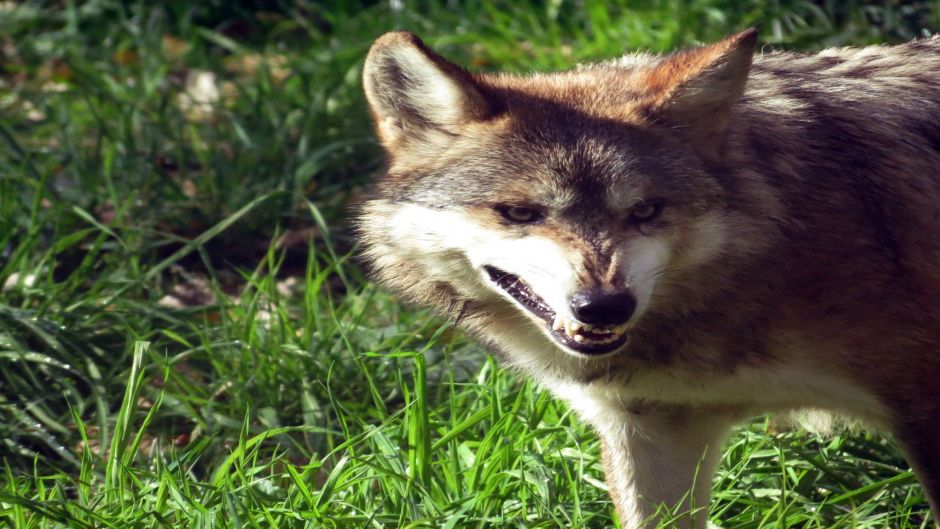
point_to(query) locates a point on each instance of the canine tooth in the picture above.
(579, 338)
(575, 325)
(558, 323)
(568, 330)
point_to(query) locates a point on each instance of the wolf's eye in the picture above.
(646, 211)
(519, 215)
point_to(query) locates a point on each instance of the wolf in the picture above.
(674, 243)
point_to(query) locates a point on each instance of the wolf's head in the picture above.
(565, 209)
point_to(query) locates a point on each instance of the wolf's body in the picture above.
(771, 233)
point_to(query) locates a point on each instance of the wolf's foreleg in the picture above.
(919, 437)
(659, 462)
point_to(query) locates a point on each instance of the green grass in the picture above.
(282, 389)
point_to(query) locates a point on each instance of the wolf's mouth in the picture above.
(580, 337)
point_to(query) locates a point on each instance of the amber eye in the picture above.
(646, 211)
(519, 215)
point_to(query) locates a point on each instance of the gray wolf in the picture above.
(675, 243)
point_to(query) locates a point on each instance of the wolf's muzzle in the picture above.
(583, 337)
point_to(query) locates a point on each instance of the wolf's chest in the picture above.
(748, 391)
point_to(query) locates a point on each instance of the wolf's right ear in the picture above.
(416, 94)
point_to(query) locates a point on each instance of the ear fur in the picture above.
(416, 94)
(696, 88)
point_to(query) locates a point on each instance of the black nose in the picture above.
(599, 307)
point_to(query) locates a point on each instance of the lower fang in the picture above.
(579, 338)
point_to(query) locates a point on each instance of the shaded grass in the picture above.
(291, 392)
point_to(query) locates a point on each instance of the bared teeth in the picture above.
(569, 331)
(571, 327)
(586, 333)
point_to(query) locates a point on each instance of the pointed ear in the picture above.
(696, 89)
(416, 94)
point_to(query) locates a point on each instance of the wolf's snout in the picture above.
(599, 307)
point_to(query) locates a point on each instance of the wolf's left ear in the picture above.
(695, 89)
(415, 94)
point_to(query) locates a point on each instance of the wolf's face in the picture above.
(572, 204)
